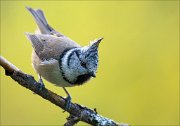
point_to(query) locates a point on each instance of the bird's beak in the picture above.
(92, 74)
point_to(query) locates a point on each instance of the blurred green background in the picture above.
(138, 75)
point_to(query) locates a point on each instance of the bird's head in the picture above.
(80, 64)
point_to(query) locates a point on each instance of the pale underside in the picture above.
(49, 70)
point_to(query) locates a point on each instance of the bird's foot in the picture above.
(41, 86)
(68, 102)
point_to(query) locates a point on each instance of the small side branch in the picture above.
(77, 112)
(71, 120)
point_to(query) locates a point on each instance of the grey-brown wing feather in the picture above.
(49, 46)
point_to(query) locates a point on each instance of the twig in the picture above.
(77, 112)
(71, 120)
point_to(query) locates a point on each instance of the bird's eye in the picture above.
(83, 64)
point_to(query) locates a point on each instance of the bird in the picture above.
(58, 59)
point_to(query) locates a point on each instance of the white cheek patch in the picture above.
(69, 72)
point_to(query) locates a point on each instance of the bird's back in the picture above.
(49, 46)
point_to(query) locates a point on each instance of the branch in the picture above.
(77, 112)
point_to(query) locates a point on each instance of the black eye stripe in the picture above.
(77, 53)
(68, 60)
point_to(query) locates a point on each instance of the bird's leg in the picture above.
(68, 99)
(41, 82)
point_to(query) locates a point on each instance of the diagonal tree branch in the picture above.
(77, 112)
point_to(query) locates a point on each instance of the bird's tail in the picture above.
(41, 22)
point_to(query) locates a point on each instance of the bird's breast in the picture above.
(50, 71)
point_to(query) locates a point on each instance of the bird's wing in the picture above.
(42, 23)
(49, 46)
